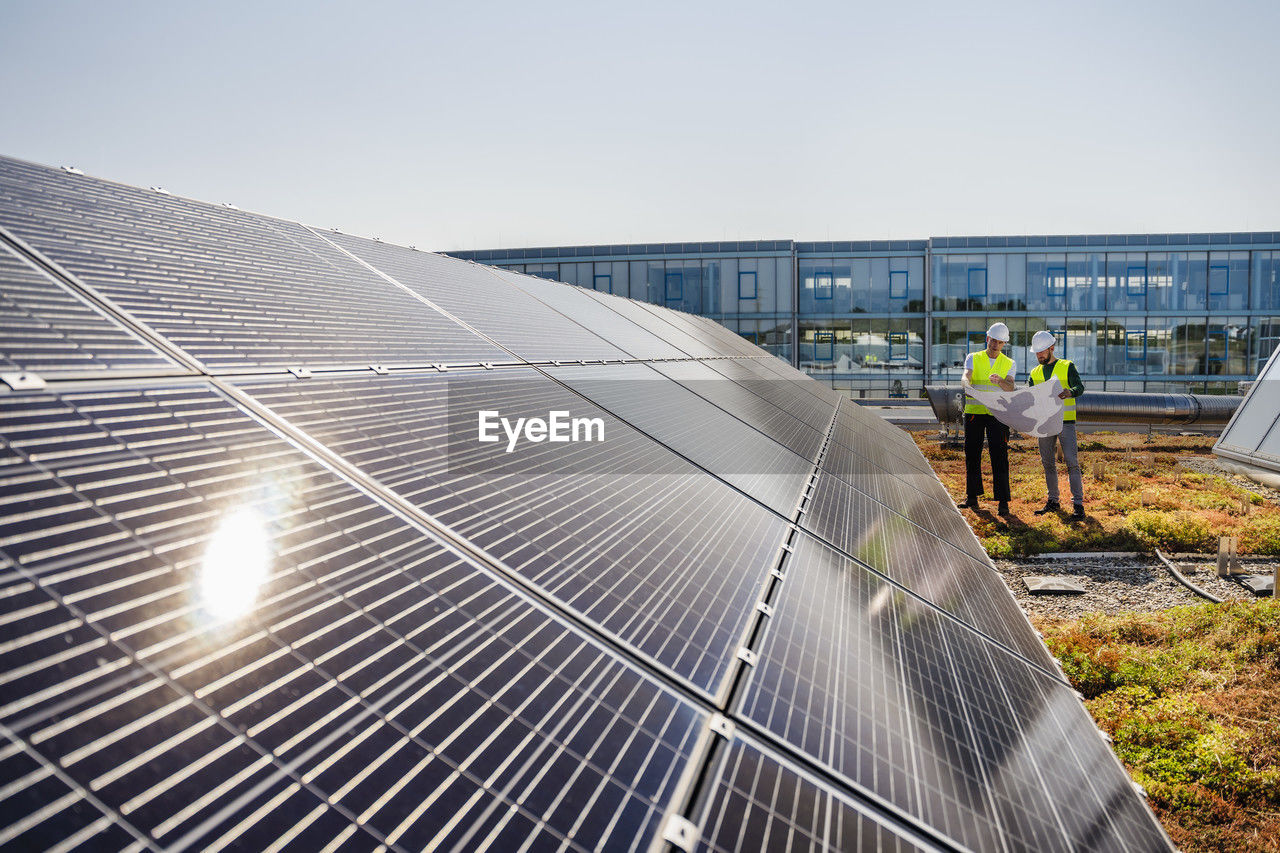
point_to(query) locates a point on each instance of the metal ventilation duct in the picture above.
(947, 402)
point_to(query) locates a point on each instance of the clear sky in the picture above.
(463, 125)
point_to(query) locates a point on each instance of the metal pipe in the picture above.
(1183, 580)
(1111, 407)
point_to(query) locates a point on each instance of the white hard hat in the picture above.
(999, 331)
(1041, 341)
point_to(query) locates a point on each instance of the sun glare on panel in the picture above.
(236, 562)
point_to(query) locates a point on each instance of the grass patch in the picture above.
(1188, 697)
(1136, 494)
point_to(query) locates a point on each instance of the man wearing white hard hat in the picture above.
(987, 370)
(1042, 344)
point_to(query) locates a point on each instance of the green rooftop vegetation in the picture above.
(1189, 697)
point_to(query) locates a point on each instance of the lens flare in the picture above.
(236, 562)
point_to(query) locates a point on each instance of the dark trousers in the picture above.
(977, 427)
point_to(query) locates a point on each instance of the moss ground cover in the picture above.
(1189, 697)
(1137, 495)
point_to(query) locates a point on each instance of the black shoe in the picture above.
(969, 503)
(1078, 515)
(1003, 509)
(1049, 506)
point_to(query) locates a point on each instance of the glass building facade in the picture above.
(1146, 312)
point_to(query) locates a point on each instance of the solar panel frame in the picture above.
(579, 522)
(483, 300)
(446, 634)
(698, 430)
(47, 329)
(571, 301)
(317, 625)
(692, 345)
(1252, 435)
(907, 734)
(760, 801)
(748, 404)
(785, 394)
(891, 544)
(236, 291)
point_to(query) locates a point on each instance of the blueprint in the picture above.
(1033, 411)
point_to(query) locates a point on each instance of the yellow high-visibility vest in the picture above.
(982, 370)
(1060, 374)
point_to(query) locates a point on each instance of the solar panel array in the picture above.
(268, 584)
(1253, 435)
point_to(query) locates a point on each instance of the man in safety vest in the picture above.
(1042, 344)
(987, 370)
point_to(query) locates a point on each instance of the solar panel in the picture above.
(787, 394)
(483, 300)
(781, 369)
(864, 432)
(919, 497)
(233, 289)
(1252, 436)
(919, 713)
(696, 429)
(46, 329)
(726, 339)
(692, 345)
(891, 544)
(343, 591)
(574, 303)
(376, 687)
(761, 802)
(625, 532)
(751, 404)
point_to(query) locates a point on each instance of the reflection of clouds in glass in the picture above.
(236, 562)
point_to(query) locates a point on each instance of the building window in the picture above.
(898, 346)
(898, 284)
(1056, 286)
(1136, 281)
(824, 346)
(822, 282)
(977, 282)
(747, 285)
(1217, 360)
(675, 287)
(1219, 279)
(1135, 346)
(604, 283)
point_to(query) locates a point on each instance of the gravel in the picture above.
(1140, 582)
(1123, 583)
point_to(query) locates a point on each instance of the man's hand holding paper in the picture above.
(1035, 411)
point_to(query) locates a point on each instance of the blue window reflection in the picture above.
(977, 283)
(1056, 286)
(1136, 280)
(822, 281)
(746, 285)
(1135, 346)
(1219, 279)
(898, 284)
(675, 287)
